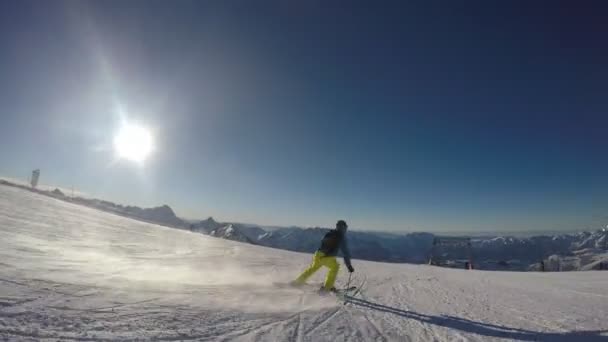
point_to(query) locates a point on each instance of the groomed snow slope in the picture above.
(72, 273)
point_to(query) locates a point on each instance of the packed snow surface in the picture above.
(69, 272)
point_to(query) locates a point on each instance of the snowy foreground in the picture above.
(73, 273)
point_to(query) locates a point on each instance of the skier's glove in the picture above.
(350, 268)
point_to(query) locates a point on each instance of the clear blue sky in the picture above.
(424, 115)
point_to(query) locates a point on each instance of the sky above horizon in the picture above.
(424, 115)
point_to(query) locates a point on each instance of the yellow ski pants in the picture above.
(320, 259)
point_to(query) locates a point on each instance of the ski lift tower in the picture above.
(454, 247)
(35, 177)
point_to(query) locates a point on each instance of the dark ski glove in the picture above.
(350, 268)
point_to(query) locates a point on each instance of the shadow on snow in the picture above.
(483, 329)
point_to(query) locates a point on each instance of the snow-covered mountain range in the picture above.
(561, 252)
(564, 252)
(578, 251)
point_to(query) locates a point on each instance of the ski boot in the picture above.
(323, 291)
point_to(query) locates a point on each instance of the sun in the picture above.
(133, 142)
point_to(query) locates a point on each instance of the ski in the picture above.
(342, 293)
(339, 293)
(356, 290)
(350, 288)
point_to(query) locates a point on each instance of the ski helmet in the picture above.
(341, 225)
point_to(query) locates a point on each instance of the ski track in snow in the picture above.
(69, 272)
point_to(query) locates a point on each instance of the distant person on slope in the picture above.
(333, 241)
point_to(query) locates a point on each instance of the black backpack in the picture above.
(331, 242)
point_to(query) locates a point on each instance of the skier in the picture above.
(333, 241)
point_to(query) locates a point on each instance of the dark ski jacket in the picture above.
(338, 242)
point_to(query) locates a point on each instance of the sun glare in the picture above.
(133, 142)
